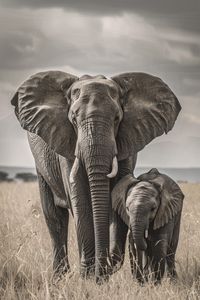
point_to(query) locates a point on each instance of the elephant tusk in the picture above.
(144, 259)
(73, 170)
(114, 168)
(146, 234)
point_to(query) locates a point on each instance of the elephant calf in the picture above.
(151, 207)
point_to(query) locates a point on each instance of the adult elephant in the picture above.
(79, 129)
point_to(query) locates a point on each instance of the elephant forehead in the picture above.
(84, 77)
(144, 188)
(96, 82)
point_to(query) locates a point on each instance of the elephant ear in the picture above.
(119, 195)
(171, 196)
(150, 109)
(41, 107)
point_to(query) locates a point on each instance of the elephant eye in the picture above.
(113, 93)
(76, 93)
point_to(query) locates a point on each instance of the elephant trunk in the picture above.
(100, 196)
(97, 168)
(139, 229)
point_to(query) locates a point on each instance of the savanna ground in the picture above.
(26, 260)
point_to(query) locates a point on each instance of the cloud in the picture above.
(91, 42)
(112, 6)
(67, 38)
(193, 119)
(182, 55)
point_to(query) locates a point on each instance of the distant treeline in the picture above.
(26, 177)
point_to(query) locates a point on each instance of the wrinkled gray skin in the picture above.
(76, 128)
(151, 207)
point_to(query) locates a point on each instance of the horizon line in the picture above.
(161, 167)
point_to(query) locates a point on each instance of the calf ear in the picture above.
(171, 202)
(171, 196)
(41, 106)
(119, 195)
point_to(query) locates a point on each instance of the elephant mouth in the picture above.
(110, 175)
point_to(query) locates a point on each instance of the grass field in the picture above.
(26, 260)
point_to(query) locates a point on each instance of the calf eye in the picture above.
(153, 208)
(74, 119)
(116, 120)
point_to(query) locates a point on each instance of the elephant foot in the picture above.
(102, 280)
(87, 269)
(172, 274)
(141, 275)
(87, 273)
(158, 278)
(102, 274)
(60, 269)
(141, 280)
(60, 273)
(157, 282)
(116, 263)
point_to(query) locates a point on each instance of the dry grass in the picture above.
(25, 255)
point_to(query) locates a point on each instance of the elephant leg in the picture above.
(118, 234)
(158, 260)
(132, 254)
(171, 265)
(172, 248)
(158, 268)
(57, 219)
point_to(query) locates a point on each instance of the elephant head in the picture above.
(96, 122)
(153, 198)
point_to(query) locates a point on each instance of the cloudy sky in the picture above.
(104, 37)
